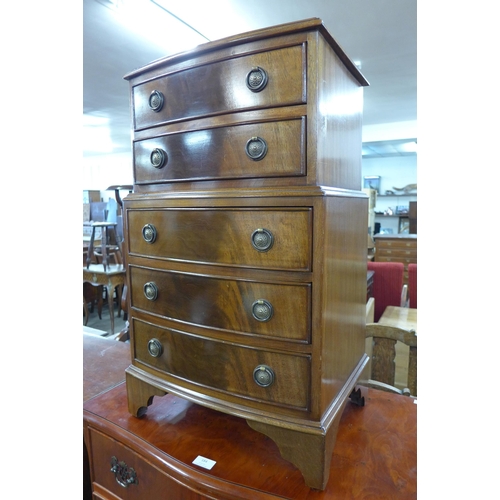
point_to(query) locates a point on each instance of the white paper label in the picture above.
(204, 462)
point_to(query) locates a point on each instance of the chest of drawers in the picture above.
(245, 236)
(397, 248)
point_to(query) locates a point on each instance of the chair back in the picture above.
(387, 285)
(412, 285)
(383, 365)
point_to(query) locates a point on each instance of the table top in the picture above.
(104, 364)
(400, 317)
(99, 269)
(375, 455)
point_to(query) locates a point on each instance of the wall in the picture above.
(102, 171)
(397, 171)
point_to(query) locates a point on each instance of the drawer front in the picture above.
(149, 481)
(221, 87)
(396, 243)
(225, 367)
(397, 252)
(271, 149)
(281, 311)
(265, 239)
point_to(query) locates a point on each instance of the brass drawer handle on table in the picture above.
(262, 310)
(124, 475)
(149, 233)
(156, 100)
(257, 79)
(256, 148)
(158, 158)
(263, 375)
(151, 291)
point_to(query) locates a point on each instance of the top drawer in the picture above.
(265, 79)
(396, 243)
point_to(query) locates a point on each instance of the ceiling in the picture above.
(379, 36)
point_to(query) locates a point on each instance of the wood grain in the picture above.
(375, 454)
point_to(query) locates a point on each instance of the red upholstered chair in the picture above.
(387, 285)
(412, 285)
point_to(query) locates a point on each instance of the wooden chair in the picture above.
(383, 366)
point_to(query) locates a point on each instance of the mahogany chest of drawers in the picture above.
(396, 248)
(245, 236)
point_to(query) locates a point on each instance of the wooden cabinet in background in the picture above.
(396, 248)
(246, 235)
(413, 217)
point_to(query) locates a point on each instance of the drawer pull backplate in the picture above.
(149, 233)
(263, 376)
(151, 290)
(262, 239)
(262, 310)
(156, 100)
(256, 148)
(257, 79)
(124, 475)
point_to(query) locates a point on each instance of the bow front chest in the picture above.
(245, 236)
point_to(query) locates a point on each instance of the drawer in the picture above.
(149, 481)
(221, 87)
(397, 252)
(281, 311)
(265, 239)
(269, 149)
(227, 367)
(396, 243)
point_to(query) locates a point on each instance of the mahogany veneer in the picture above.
(375, 454)
(246, 235)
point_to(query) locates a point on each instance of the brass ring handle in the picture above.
(257, 79)
(155, 348)
(149, 233)
(262, 239)
(256, 148)
(262, 310)
(263, 375)
(124, 475)
(156, 100)
(151, 291)
(158, 158)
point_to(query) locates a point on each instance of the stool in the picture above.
(107, 229)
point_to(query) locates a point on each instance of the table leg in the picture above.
(111, 290)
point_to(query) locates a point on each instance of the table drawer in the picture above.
(221, 87)
(265, 239)
(269, 149)
(149, 482)
(281, 311)
(227, 367)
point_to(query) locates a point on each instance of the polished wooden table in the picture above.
(375, 455)
(111, 278)
(400, 317)
(104, 364)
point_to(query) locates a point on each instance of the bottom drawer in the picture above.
(145, 481)
(269, 376)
